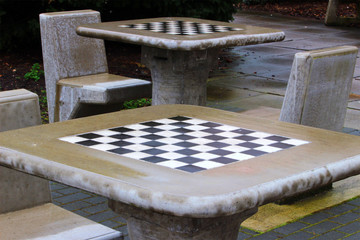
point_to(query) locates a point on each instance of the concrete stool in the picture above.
(26, 211)
(76, 71)
(319, 87)
(18, 108)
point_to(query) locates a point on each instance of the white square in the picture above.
(171, 155)
(166, 127)
(169, 140)
(226, 128)
(106, 139)
(268, 149)
(196, 121)
(202, 148)
(136, 133)
(103, 147)
(198, 134)
(137, 147)
(168, 134)
(170, 148)
(264, 142)
(165, 121)
(136, 155)
(106, 132)
(73, 139)
(208, 164)
(136, 126)
(231, 141)
(228, 134)
(205, 156)
(200, 141)
(235, 149)
(196, 127)
(137, 140)
(259, 134)
(172, 164)
(239, 156)
(295, 142)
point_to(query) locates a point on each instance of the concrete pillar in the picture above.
(179, 77)
(146, 225)
(319, 87)
(331, 16)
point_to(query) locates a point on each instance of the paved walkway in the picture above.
(256, 77)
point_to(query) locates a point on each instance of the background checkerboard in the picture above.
(181, 27)
(184, 143)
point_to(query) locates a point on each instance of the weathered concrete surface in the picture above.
(319, 88)
(18, 108)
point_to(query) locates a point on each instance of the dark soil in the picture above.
(125, 59)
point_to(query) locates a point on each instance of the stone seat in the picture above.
(49, 221)
(69, 58)
(319, 86)
(26, 211)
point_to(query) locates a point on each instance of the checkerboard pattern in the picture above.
(184, 143)
(181, 27)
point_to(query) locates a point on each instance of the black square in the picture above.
(154, 151)
(121, 129)
(151, 124)
(215, 137)
(189, 160)
(277, 138)
(187, 152)
(184, 137)
(185, 144)
(223, 160)
(88, 143)
(121, 143)
(220, 152)
(191, 168)
(246, 138)
(254, 152)
(217, 144)
(121, 136)
(154, 159)
(154, 144)
(90, 135)
(180, 118)
(182, 130)
(243, 131)
(120, 151)
(210, 124)
(249, 145)
(152, 130)
(281, 145)
(152, 137)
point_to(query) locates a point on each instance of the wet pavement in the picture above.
(253, 81)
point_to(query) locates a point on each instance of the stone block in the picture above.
(319, 87)
(18, 108)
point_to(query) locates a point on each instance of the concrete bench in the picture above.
(26, 211)
(76, 72)
(319, 86)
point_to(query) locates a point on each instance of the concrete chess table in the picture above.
(180, 51)
(181, 171)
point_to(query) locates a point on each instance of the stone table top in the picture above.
(183, 160)
(175, 33)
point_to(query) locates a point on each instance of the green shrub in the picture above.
(143, 102)
(35, 73)
(19, 24)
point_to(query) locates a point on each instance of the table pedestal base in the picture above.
(179, 77)
(145, 225)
